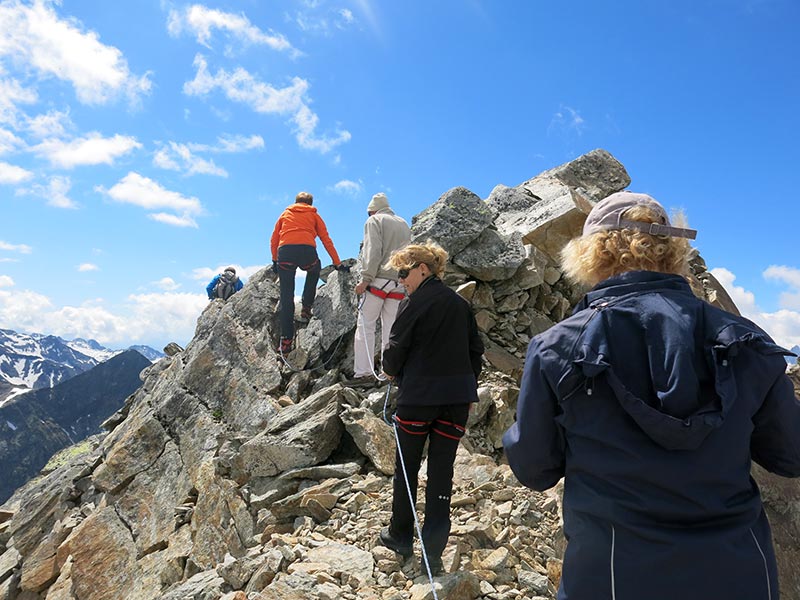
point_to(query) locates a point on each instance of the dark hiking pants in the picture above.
(442, 427)
(290, 258)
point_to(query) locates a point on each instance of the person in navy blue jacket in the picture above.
(651, 404)
(229, 284)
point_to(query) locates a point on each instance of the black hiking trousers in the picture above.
(443, 427)
(290, 258)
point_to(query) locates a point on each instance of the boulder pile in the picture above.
(235, 474)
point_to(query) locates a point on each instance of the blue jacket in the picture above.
(210, 287)
(651, 404)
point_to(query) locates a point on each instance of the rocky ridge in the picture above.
(231, 474)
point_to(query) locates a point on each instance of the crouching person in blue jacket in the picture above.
(651, 404)
(224, 285)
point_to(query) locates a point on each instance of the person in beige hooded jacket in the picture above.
(384, 233)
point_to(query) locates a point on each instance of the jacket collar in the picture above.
(633, 282)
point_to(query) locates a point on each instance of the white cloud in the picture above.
(791, 277)
(6, 281)
(33, 35)
(178, 157)
(8, 141)
(168, 316)
(12, 92)
(21, 248)
(313, 19)
(200, 21)
(567, 120)
(784, 324)
(182, 157)
(84, 267)
(93, 149)
(167, 284)
(55, 192)
(13, 174)
(183, 220)
(346, 186)
(205, 274)
(230, 144)
(150, 195)
(240, 86)
(51, 124)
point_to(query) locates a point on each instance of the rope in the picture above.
(323, 367)
(411, 498)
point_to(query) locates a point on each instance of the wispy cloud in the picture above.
(12, 92)
(207, 273)
(567, 120)
(181, 157)
(347, 187)
(168, 284)
(791, 277)
(12, 174)
(6, 281)
(55, 191)
(93, 149)
(21, 248)
(8, 141)
(784, 324)
(313, 18)
(85, 267)
(240, 86)
(33, 35)
(53, 124)
(201, 21)
(178, 157)
(144, 192)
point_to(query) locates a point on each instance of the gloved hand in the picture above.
(275, 266)
(343, 268)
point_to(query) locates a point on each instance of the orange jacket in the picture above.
(300, 224)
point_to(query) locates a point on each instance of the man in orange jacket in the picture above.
(294, 246)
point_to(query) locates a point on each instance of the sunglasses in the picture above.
(403, 273)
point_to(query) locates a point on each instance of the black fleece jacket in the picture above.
(434, 348)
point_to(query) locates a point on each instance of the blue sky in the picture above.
(146, 144)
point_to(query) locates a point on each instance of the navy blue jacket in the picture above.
(651, 404)
(434, 348)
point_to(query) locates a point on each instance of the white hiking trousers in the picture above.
(373, 308)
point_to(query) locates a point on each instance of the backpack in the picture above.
(226, 286)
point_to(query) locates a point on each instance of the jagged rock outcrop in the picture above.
(234, 474)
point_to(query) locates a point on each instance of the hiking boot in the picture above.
(435, 563)
(362, 381)
(305, 314)
(285, 346)
(390, 541)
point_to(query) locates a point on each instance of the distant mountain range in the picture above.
(41, 422)
(30, 361)
(793, 359)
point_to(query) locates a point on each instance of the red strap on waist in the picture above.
(384, 295)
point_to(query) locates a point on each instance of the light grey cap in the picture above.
(607, 215)
(378, 202)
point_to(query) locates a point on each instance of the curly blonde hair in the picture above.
(430, 253)
(591, 259)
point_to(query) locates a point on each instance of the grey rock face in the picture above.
(492, 256)
(453, 221)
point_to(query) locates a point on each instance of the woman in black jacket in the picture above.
(434, 354)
